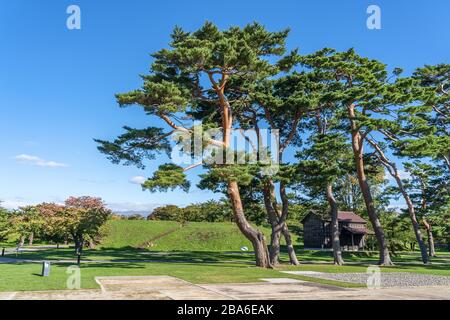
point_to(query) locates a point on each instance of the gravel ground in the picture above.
(388, 279)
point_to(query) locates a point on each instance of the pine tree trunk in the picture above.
(289, 245)
(273, 219)
(357, 145)
(275, 246)
(336, 243)
(431, 251)
(392, 169)
(278, 229)
(282, 217)
(255, 236)
(416, 227)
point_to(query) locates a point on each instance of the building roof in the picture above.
(350, 217)
(346, 216)
(358, 230)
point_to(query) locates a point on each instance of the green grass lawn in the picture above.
(197, 252)
(25, 277)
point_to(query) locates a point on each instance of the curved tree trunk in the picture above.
(275, 246)
(273, 219)
(416, 227)
(290, 246)
(335, 241)
(412, 215)
(393, 171)
(282, 217)
(431, 251)
(279, 227)
(357, 145)
(255, 236)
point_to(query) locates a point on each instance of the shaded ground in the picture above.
(129, 253)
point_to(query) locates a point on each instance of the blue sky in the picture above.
(57, 85)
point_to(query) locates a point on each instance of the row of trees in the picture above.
(209, 211)
(346, 117)
(79, 220)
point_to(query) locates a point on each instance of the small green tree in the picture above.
(430, 192)
(5, 223)
(167, 213)
(54, 227)
(136, 216)
(210, 211)
(84, 217)
(27, 222)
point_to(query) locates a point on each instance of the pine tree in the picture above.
(323, 161)
(430, 192)
(359, 85)
(195, 74)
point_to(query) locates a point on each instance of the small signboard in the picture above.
(46, 269)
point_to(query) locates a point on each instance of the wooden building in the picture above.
(317, 231)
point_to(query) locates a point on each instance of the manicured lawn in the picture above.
(196, 252)
(25, 277)
(200, 267)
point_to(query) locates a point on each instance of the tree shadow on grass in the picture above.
(196, 256)
(131, 254)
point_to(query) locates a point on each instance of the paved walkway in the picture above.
(170, 288)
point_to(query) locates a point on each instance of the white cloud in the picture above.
(36, 161)
(138, 180)
(18, 202)
(403, 175)
(15, 203)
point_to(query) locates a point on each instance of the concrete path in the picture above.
(170, 288)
